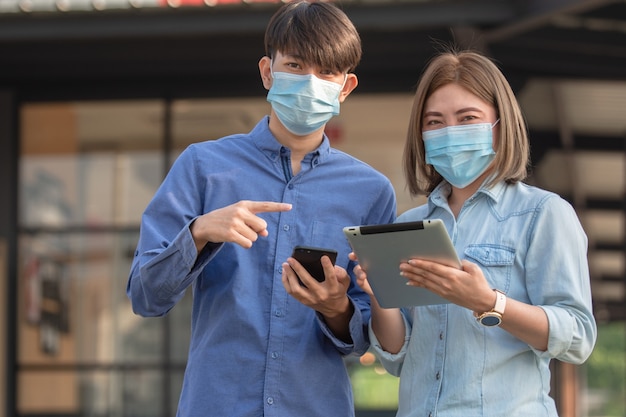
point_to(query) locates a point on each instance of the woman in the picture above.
(523, 294)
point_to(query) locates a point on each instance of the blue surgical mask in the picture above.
(462, 153)
(303, 103)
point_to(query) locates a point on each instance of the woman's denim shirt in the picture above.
(529, 244)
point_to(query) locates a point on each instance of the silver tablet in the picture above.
(381, 248)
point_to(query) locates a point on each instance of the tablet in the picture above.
(381, 248)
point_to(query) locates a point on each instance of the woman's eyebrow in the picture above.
(432, 113)
(468, 110)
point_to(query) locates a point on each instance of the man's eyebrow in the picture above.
(293, 56)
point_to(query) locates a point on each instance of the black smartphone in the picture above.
(310, 258)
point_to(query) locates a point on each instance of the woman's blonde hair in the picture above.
(480, 76)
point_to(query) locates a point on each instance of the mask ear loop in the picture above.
(495, 123)
(345, 79)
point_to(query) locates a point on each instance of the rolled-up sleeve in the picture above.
(392, 362)
(559, 282)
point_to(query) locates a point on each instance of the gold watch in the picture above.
(494, 316)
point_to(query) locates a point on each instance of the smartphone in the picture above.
(310, 258)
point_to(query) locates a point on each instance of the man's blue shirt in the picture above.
(530, 245)
(255, 350)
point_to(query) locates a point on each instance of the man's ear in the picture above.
(265, 70)
(351, 82)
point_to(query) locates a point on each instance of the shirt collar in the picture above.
(439, 196)
(495, 192)
(267, 143)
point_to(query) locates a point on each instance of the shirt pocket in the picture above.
(496, 262)
(329, 235)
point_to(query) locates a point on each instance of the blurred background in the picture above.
(98, 97)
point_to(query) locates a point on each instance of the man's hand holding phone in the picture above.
(311, 259)
(328, 295)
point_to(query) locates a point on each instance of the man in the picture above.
(227, 217)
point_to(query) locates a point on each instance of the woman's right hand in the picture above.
(387, 323)
(361, 276)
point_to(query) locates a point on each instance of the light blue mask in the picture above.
(460, 154)
(303, 103)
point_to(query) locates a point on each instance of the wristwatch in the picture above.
(494, 316)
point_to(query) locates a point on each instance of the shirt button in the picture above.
(438, 375)
(286, 227)
(290, 186)
(274, 355)
(270, 400)
(441, 336)
(278, 313)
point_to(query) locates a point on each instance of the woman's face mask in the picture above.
(461, 153)
(303, 103)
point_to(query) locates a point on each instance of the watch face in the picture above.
(490, 320)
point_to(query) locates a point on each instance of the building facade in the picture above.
(97, 98)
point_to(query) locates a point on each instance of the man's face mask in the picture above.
(303, 103)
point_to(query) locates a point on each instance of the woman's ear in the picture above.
(351, 82)
(265, 68)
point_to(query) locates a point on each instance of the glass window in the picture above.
(87, 171)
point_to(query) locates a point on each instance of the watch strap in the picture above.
(500, 302)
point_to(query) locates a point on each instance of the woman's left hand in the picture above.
(466, 287)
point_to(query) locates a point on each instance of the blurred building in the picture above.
(98, 97)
